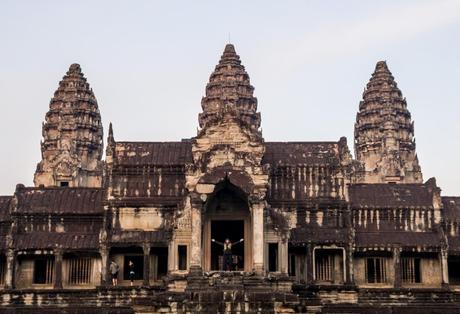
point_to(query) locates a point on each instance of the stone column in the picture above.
(349, 265)
(195, 249)
(104, 266)
(58, 269)
(349, 247)
(309, 258)
(397, 266)
(258, 237)
(444, 268)
(171, 256)
(146, 279)
(284, 256)
(9, 273)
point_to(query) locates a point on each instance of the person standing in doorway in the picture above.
(114, 269)
(228, 256)
(131, 272)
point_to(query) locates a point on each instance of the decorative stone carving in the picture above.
(230, 135)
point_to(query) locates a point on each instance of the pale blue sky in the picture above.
(149, 61)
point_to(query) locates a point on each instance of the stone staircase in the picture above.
(239, 292)
(351, 299)
(235, 293)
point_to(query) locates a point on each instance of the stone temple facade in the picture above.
(323, 232)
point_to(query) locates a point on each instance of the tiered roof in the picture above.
(391, 196)
(301, 153)
(56, 200)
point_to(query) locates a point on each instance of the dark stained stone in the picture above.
(303, 153)
(153, 153)
(390, 196)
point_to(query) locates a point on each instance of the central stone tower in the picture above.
(227, 163)
(229, 95)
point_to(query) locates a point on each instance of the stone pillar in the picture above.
(171, 256)
(349, 279)
(58, 269)
(349, 265)
(397, 266)
(146, 279)
(310, 278)
(195, 249)
(258, 237)
(284, 256)
(444, 268)
(105, 280)
(9, 273)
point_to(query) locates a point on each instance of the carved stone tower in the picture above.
(230, 122)
(229, 94)
(227, 162)
(384, 132)
(72, 136)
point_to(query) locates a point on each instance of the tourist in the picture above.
(114, 269)
(227, 262)
(131, 272)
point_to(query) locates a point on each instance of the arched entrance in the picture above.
(227, 215)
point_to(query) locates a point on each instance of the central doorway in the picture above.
(227, 215)
(234, 231)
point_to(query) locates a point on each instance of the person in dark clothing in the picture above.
(227, 262)
(131, 272)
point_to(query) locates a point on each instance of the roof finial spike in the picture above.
(110, 136)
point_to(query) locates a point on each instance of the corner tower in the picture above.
(384, 132)
(72, 136)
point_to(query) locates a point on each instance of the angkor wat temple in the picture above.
(323, 232)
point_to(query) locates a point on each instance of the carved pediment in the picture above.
(227, 143)
(65, 164)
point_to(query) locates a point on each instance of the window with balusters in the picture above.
(80, 270)
(376, 271)
(410, 268)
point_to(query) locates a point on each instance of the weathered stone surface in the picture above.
(384, 132)
(72, 136)
(321, 232)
